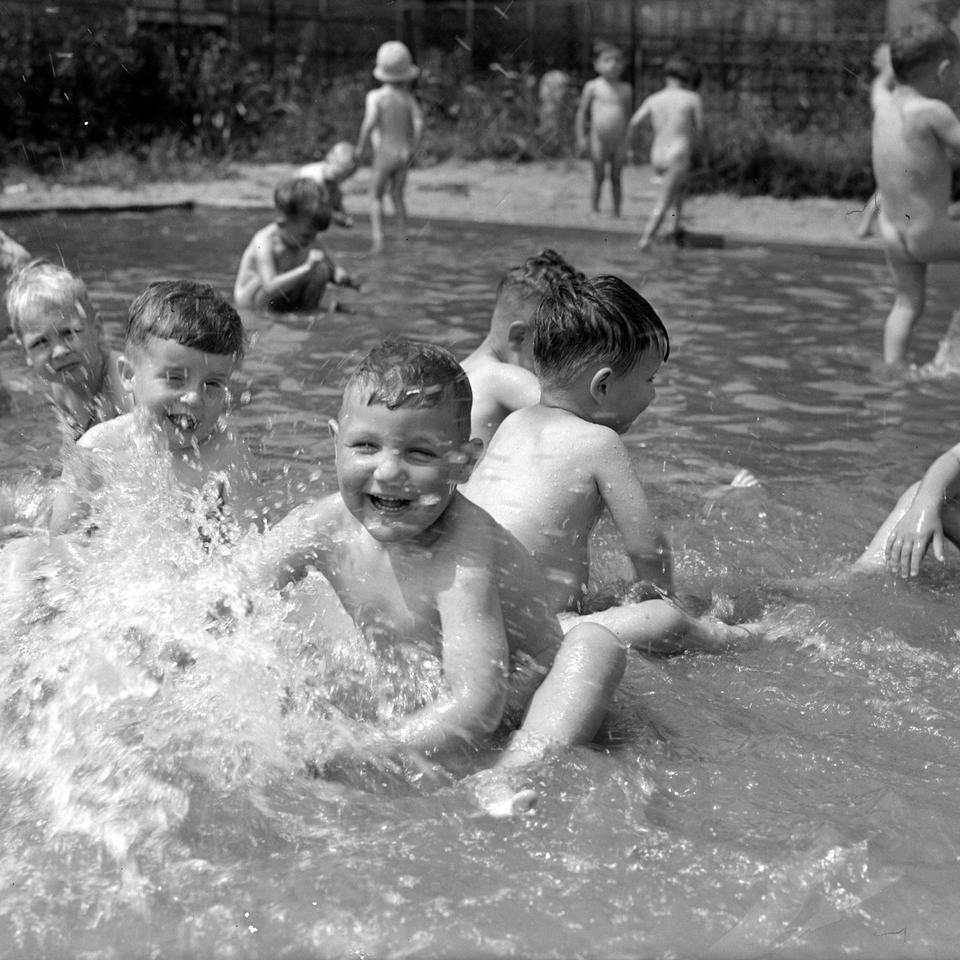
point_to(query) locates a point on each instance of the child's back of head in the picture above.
(528, 282)
(683, 69)
(601, 320)
(304, 199)
(408, 373)
(188, 312)
(340, 160)
(919, 45)
(44, 286)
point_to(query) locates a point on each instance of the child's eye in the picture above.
(38, 344)
(215, 385)
(422, 455)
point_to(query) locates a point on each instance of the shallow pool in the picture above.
(797, 798)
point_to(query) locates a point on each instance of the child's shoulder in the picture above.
(110, 435)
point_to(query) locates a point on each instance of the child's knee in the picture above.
(591, 646)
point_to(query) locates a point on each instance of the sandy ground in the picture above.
(499, 192)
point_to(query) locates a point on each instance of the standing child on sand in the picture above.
(603, 111)
(418, 567)
(552, 468)
(676, 114)
(880, 89)
(281, 269)
(914, 132)
(393, 126)
(501, 368)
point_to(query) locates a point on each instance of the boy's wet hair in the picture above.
(304, 198)
(41, 283)
(919, 44)
(682, 68)
(597, 320)
(188, 312)
(537, 274)
(410, 373)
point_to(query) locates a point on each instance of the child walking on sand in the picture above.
(393, 126)
(501, 368)
(417, 565)
(676, 114)
(603, 112)
(281, 269)
(553, 467)
(914, 132)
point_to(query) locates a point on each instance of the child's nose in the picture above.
(59, 348)
(388, 467)
(190, 396)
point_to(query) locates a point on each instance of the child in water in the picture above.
(281, 269)
(393, 126)
(676, 114)
(915, 130)
(603, 112)
(417, 565)
(12, 257)
(501, 368)
(338, 165)
(552, 468)
(183, 343)
(61, 335)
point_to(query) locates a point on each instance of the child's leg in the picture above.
(398, 185)
(865, 226)
(910, 281)
(659, 626)
(598, 163)
(311, 294)
(566, 710)
(674, 178)
(616, 180)
(378, 181)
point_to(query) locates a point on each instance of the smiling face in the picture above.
(398, 469)
(62, 343)
(182, 390)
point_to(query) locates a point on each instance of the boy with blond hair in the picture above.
(914, 132)
(393, 127)
(417, 565)
(280, 268)
(183, 343)
(501, 368)
(61, 335)
(601, 122)
(676, 115)
(552, 468)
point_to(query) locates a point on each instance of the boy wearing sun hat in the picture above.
(393, 125)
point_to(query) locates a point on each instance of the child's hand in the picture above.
(316, 256)
(343, 279)
(909, 540)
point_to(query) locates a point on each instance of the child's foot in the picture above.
(499, 794)
(744, 478)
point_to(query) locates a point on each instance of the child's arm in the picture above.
(583, 111)
(475, 666)
(82, 472)
(271, 282)
(298, 543)
(921, 524)
(368, 123)
(944, 123)
(417, 120)
(641, 114)
(623, 495)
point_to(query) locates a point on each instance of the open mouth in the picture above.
(388, 506)
(183, 422)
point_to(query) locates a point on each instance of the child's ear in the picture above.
(599, 383)
(517, 334)
(127, 373)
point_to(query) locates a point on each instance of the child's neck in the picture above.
(571, 400)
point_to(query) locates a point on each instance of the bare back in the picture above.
(911, 136)
(498, 388)
(393, 122)
(539, 479)
(676, 115)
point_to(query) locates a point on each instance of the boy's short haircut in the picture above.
(597, 320)
(192, 314)
(409, 373)
(46, 284)
(341, 157)
(537, 274)
(601, 47)
(920, 43)
(682, 68)
(304, 198)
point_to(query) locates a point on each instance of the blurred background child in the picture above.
(281, 269)
(601, 122)
(337, 166)
(393, 127)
